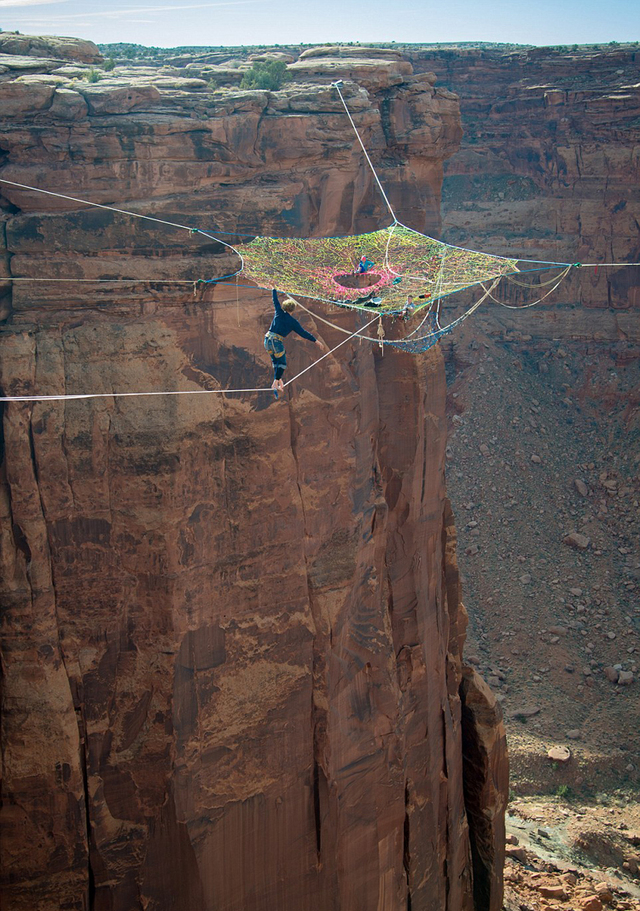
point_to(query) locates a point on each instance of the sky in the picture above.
(171, 23)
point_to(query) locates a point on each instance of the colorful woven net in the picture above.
(405, 263)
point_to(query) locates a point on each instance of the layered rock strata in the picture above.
(232, 635)
(549, 169)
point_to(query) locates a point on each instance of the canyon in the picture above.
(232, 639)
(233, 630)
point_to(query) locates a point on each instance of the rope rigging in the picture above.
(336, 86)
(409, 271)
(113, 395)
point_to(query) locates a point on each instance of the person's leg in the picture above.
(280, 364)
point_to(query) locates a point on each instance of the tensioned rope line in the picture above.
(327, 353)
(456, 322)
(530, 285)
(119, 395)
(105, 281)
(597, 265)
(161, 221)
(336, 86)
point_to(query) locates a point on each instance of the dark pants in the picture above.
(275, 347)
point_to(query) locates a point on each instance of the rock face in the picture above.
(77, 49)
(549, 170)
(232, 635)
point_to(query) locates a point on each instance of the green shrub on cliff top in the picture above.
(266, 74)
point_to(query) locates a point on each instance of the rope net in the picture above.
(403, 263)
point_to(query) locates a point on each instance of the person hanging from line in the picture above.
(281, 325)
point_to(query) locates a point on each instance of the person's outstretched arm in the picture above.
(276, 302)
(296, 327)
(303, 332)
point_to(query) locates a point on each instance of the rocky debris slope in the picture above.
(544, 402)
(542, 457)
(232, 634)
(543, 461)
(565, 855)
(549, 545)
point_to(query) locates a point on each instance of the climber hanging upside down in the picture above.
(281, 325)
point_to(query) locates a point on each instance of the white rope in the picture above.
(336, 86)
(562, 276)
(446, 329)
(592, 265)
(105, 281)
(121, 395)
(327, 353)
(98, 205)
(531, 285)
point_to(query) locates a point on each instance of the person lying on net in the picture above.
(281, 325)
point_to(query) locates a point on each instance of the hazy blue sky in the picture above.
(168, 23)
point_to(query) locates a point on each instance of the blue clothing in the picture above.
(283, 323)
(275, 347)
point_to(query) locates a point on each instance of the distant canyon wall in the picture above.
(549, 169)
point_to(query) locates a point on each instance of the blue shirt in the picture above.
(283, 323)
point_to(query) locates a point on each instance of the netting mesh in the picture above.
(405, 263)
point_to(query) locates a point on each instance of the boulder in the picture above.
(24, 97)
(68, 105)
(576, 540)
(604, 892)
(106, 98)
(527, 712)
(516, 853)
(559, 754)
(50, 46)
(551, 890)
(590, 903)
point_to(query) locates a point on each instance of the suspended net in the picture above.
(403, 264)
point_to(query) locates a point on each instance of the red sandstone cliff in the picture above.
(549, 169)
(232, 635)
